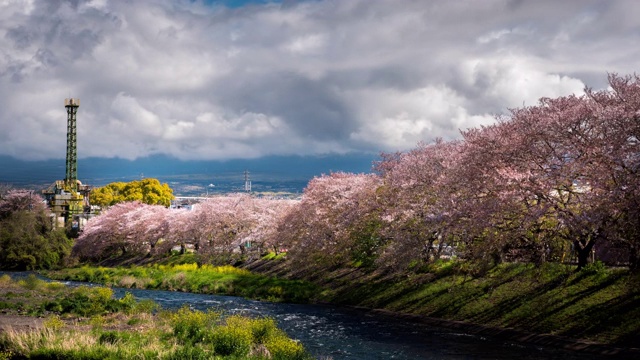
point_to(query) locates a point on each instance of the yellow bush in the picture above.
(55, 285)
(282, 347)
(5, 279)
(234, 338)
(185, 267)
(102, 294)
(53, 323)
(226, 269)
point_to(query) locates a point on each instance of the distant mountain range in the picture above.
(286, 173)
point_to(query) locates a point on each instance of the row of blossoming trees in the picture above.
(215, 228)
(545, 183)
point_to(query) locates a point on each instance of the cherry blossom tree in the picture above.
(263, 215)
(501, 219)
(20, 200)
(419, 201)
(566, 168)
(321, 230)
(148, 225)
(111, 234)
(616, 166)
(218, 224)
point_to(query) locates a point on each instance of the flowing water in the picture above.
(330, 332)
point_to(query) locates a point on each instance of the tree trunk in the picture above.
(426, 250)
(583, 249)
(634, 258)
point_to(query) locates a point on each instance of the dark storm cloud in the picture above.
(310, 108)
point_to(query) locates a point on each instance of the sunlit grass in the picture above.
(599, 304)
(125, 328)
(172, 335)
(223, 280)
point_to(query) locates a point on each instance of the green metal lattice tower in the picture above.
(71, 177)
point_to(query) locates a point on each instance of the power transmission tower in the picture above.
(247, 182)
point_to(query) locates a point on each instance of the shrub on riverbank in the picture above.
(28, 239)
(160, 337)
(124, 328)
(207, 279)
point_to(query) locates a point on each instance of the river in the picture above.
(331, 332)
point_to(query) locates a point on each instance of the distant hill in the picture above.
(295, 170)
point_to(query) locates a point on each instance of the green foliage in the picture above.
(189, 352)
(31, 282)
(366, 243)
(145, 306)
(273, 256)
(109, 337)
(53, 323)
(28, 242)
(80, 301)
(282, 348)
(6, 355)
(60, 354)
(181, 334)
(127, 303)
(54, 285)
(594, 268)
(443, 267)
(265, 331)
(226, 280)
(233, 338)
(94, 301)
(191, 327)
(5, 279)
(149, 191)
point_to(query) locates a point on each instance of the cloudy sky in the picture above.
(245, 79)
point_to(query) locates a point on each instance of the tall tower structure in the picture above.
(68, 199)
(71, 176)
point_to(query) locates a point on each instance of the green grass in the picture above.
(128, 329)
(273, 256)
(598, 304)
(182, 334)
(223, 280)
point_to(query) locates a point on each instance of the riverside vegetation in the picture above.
(89, 323)
(191, 277)
(597, 304)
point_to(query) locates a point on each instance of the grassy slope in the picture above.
(600, 305)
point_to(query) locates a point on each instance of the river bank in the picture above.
(343, 333)
(596, 310)
(49, 320)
